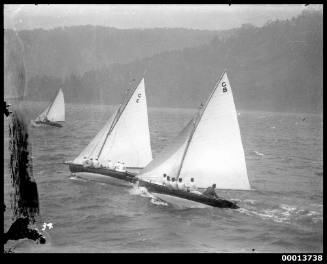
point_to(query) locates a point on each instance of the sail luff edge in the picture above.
(116, 119)
(199, 116)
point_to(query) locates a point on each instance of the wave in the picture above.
(250, 201)
(258, 153)
(283, 213)
(157, 201)
(76, 178)
(142, 191)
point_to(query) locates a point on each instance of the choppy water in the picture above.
(283, 214)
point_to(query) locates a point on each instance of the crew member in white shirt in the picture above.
(84, 162)
(91, 164)
(174, 184)
(119, 166)
(116, 165)
(192, 187)
(123, 167)
(109, 164)
(164, 179)
(180, 184)
(96, 163)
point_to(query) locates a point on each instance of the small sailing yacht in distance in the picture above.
(209, 150)
(53, 114)
(124, 139)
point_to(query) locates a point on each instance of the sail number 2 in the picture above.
(224, 85)
(138, 99)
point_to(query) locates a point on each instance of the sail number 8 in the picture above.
(224, 85)
(138, 99)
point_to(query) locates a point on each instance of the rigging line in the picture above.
(116, 119)
(96, 145)
(197, 121)
(113, 123)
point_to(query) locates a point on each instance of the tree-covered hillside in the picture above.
(63, 51)
(277, 67)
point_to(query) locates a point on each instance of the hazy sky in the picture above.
(212, 17)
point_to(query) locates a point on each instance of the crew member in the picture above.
(110, 165)
(210, 191)
(123, 167)
(164, 179)
(96, 163)
(91, 164)
(181, 186)
(118, 166)
(192, 187)
(84, 161)
(174, 184)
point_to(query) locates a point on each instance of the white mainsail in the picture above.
(213, 151)
(126, 136)
(55, 112)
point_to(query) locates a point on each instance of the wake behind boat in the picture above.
(122, 147)
(53, 114)
(209, 149)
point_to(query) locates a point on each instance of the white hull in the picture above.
(100, 178)
(179, 202)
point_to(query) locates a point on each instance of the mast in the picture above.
(197, 121)
(116, 119)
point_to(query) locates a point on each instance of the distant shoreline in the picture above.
(185, 109)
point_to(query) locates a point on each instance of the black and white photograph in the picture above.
(163, 128)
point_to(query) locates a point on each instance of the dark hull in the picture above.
(49, 123)
(124, 176)
(156, 188)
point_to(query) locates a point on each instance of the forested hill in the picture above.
(277, 67)
(63, 51)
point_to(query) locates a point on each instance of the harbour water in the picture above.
(283, 212)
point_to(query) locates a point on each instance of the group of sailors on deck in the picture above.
(95, 163)
(173, 184)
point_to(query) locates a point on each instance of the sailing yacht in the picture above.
(53, 114)
(209, 149)
(125, 138)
